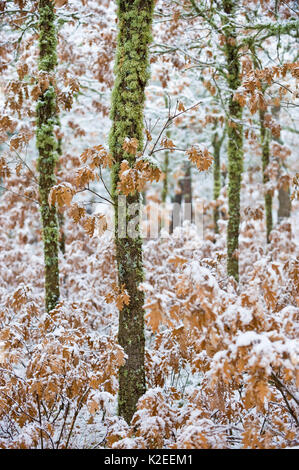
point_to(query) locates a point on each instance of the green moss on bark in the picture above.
(265, 144)
(216, 143)
(47, 150)
(132, 73)
(235, 141)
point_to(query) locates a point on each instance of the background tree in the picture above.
(217, 144)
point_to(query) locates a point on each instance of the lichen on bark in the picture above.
(235, 139)
(128, 97)
(216, 144)
(265, 144)
(47, 150)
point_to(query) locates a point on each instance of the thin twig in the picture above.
(20, 195)
(63, 425)
(98, 195)
(40, 422)
(76, 415)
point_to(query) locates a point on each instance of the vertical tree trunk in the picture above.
(165, 171)
(216, 143)
(176, 210)
(132, 73)
(235, 141)
(165, 180)
(284, 201)
(284, 196)
(186, 185)
(265, 143)
(217, 180)
(47, 147)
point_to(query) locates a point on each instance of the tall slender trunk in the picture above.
(216, 144)
(235, 141)
(165, 180)
(47, 149)
(217, 180)
(284, 195)
(132, 73)
(176, 210)
(265, 143)
(166, 172)
(284, 203)
(186, 185)
(182, 199)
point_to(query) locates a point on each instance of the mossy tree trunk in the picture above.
(235, 140)
(132, 73)
(217, 179)
(47, 150)
(265, 144)
(216, 144)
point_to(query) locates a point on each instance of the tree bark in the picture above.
(284, 203)
(187, 183)
(284, 196)
(235, 141)
(47, 150)
(176, 210)
(166, 173)
(132, 73)
(217, 143)
(265, 143)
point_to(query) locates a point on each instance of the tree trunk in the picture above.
(47, 149)
(284, 201)
(216, 143)
(183, 197)
(186, 185)
(265, 143)
(132, 73)
(176, 210)
(284, 195)
(235, 142)
(165, 171)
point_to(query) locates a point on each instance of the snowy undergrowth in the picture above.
(221, 359)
